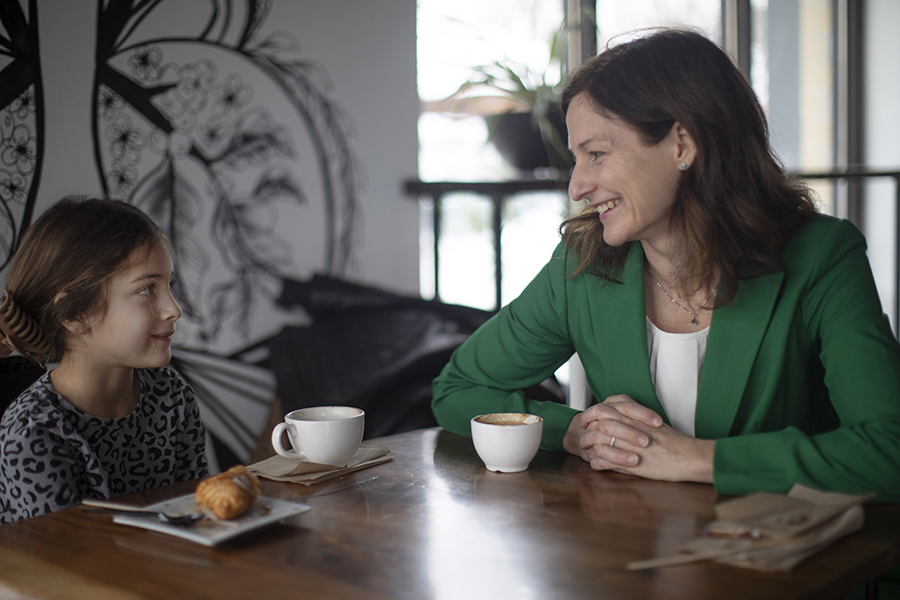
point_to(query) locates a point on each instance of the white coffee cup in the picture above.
(507, 442)
(328, 435)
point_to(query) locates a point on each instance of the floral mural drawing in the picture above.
(214, 129)
(229, 140)
(21, 125)
(177, 132)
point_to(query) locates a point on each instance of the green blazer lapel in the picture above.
(735, 336)
(622, 337)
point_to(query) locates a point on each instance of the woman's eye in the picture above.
(147, 291)
(596, 155)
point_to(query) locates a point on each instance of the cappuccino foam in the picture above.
(507, 419)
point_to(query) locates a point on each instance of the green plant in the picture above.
(524, 88)
(507, 86)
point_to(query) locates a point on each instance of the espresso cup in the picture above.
(328, 435)
(506, 442)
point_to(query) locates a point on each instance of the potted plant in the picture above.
(521, 107)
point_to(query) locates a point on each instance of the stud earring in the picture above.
(683, 166)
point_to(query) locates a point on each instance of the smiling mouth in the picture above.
(602, 208)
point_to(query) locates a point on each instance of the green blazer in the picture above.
(800, 382)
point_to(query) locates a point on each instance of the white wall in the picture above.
(367, 51)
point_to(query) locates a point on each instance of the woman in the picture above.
(733, 335)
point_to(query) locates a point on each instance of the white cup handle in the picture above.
(276, 442)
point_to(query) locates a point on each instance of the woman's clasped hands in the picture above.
(622, 435)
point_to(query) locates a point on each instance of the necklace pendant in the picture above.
(695, 321)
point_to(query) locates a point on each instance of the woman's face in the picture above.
(631, 186)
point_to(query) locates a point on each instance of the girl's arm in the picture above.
(40, 472)
(190, 450)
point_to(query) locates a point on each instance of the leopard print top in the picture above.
(52, 455)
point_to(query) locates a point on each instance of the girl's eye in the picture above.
(147, 291)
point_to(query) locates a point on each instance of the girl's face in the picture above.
(135, 330)
(631, 185)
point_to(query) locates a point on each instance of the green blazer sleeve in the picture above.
(537, 332)
(520, 346)
(802, 380)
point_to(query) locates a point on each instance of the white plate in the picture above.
(210, 532)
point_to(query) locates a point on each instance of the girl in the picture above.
(111, 418)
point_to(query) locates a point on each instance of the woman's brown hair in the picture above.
(59, 272)
(735, 204)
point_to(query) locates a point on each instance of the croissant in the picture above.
(228, 494)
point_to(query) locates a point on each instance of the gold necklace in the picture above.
(693, 313)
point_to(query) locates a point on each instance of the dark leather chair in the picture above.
(372, 349)
(16, 374)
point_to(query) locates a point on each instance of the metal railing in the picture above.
(499, 192)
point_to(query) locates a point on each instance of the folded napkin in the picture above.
(771, 532)
(279, 468)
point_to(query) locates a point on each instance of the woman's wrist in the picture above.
(572, 436)
(702, 465)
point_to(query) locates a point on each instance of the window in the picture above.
(804, 59)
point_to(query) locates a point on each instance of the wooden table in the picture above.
(432, 524)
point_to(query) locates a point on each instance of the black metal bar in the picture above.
(485, 188)
(498, 250)
(737, 32)
(745, 37)
(436, 236)
(588, 29)
(856, 129)
(872, 590)
(848, 173)
(499, 190)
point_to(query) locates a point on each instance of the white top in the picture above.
(676, 360)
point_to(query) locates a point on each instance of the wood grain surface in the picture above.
(432, 523)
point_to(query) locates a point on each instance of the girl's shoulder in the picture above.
(168, 403)
(36, 407)
(164, 384)
(162, 375)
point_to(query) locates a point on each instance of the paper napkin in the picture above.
(279, 468)
(771, 532)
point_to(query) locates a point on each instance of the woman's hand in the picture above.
(672, 456)
(622, 435)
(590, 433)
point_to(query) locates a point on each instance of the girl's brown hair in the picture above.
(735, 205)
(60, 269)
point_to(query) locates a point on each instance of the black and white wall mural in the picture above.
(21, 126)
(214, 118)
(179, 130)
